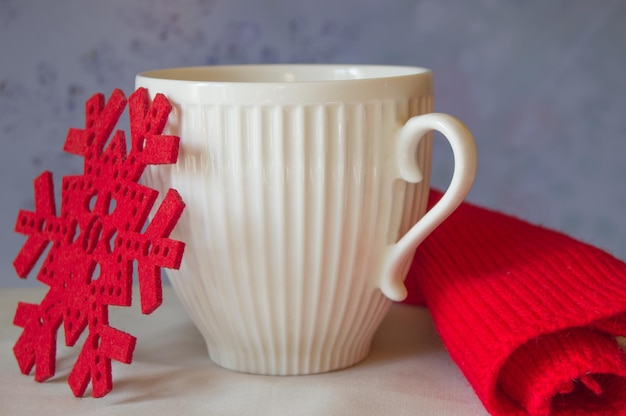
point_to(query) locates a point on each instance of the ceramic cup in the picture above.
(306, 189)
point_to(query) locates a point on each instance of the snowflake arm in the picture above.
(32, 225)
(160, 251)
(37, 344)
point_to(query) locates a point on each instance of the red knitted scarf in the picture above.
(529, 315)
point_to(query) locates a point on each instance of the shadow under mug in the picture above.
(306, 190)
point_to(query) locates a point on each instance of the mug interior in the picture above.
(282, 73)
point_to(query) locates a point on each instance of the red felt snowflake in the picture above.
(95, 240)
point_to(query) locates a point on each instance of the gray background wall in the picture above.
(540, 83)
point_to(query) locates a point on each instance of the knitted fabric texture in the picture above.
(529, 315)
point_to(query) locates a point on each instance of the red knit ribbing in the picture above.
(573, 364)
(506, 295)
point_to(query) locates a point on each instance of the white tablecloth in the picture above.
(407, 373)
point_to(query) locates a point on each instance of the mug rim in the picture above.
(283, 74)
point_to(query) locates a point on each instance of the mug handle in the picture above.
(464, 149)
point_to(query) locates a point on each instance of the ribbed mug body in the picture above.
(290, 205)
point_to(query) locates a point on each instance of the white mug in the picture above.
(306, 190)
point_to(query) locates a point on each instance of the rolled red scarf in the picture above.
(528, 314)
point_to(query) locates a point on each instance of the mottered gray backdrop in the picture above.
(541, 84)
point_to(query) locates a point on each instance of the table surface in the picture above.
(408, 372)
